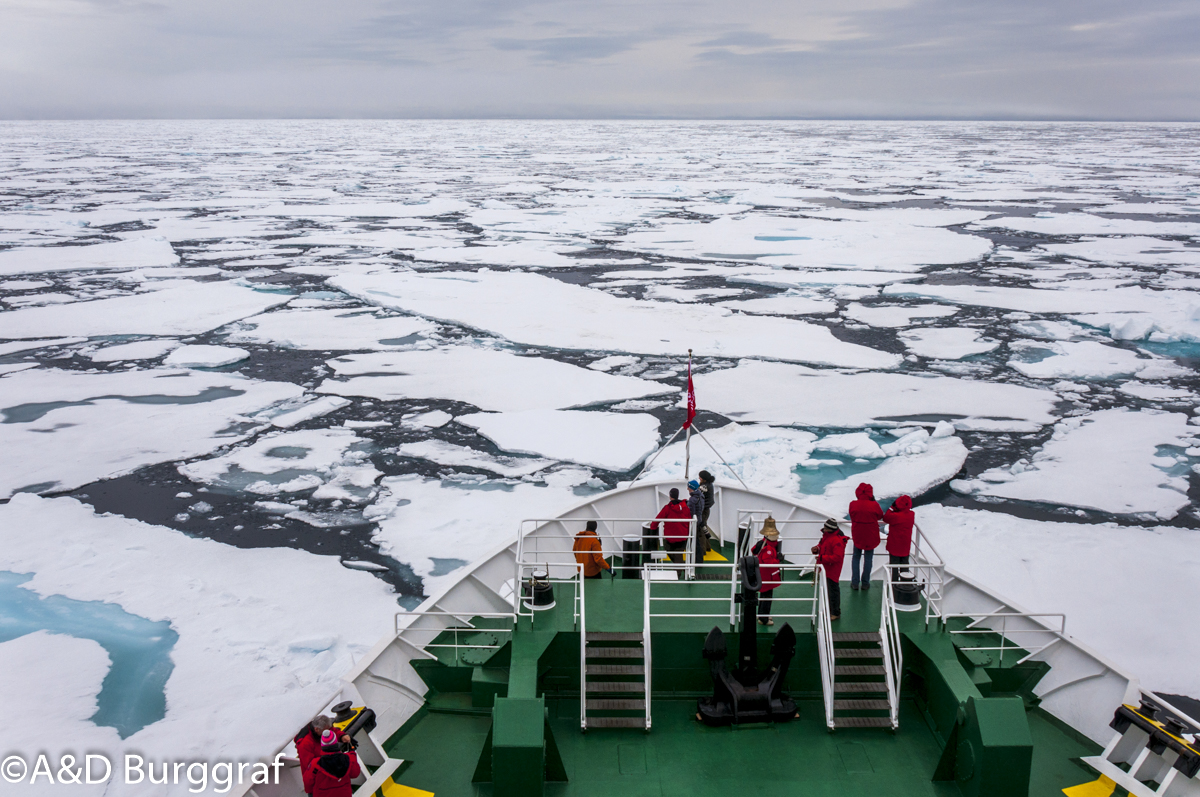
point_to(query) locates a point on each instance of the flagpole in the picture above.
(687, 444)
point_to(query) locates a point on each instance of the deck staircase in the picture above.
(860, 681)
(615, 680)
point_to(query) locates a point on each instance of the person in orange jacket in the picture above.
(589, 552)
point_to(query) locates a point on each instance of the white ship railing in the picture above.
(803, 569)
(582, 655)
(553, 550)
(647, 664)
(1027, 625)
(525, 573)
(455, 622)
(824, 632)
(665, 576)
(893, 655)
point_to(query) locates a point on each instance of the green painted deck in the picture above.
(680, 756)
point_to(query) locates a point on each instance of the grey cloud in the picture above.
(565, 49)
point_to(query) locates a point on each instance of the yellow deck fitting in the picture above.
(1103, 787)
(394, 789)
(713, 556)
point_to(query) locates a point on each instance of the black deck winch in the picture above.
(749, 695)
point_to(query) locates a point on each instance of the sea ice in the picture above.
(951, 343)
(1106, 460)
(1076, 568)
(306, 412)
(137, 253)
(428, 420)
(334, 461)
(328, 330)
(204, 357)
(541, 311)
(490, 379)
(809, 242)
(187, 309)
(783, 304)
(420, 520)
(609, 440)
(896, 315)
(234, 610)
(138, 350)
(443, 453)
(792, 394)
(1086, 360)
(913, 469)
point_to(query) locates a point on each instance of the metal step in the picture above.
(859, 669)
(615, 669)
(616, 686)
(614, 636)
(861, 722)
(860, 686)
(857, 653)
(616, 653)
(859, 705)
(617, 722)
(616, 704)
(855, 636)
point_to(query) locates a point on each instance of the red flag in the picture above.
(691, 412)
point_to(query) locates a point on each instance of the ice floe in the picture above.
(185, 309)
(1108, 460)
(333, 462)
(241, 641)
(896, 315)
(791, 394)
(138, 350)
(306, 412)
(329, 330)
(444, 453)
(1087, 360)
(490, 379)
(123, 421)
(609, 440)
(204, 356)
(541, 311)
(424, 520)
(951, 343)
(1076, 569)
(783, 304)
(788, 241)
(133, 254)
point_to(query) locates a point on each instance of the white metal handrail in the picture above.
(552, 550)
(803, 568)
(649, 582)
(582, 654)
(893, 656)
(1007, 635)
(824, 631)
(520, 609)
(458, 622)
(922, 550)
(647, 665)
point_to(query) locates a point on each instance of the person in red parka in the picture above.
(675, 534)
(830, 552)
(769, 558)
(308, 742)
(330, 775)
(865, 515)
(900, 520)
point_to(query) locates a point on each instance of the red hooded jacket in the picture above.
(769, 557)
(308, 748)
(330, 775)
(900, 520)
(831, 550)
(674, 532)
(865, 515)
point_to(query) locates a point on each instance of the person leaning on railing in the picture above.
(589, 552)
(675, 534)
(900, 520)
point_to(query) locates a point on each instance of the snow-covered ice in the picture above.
(950, 343)
(792, 394)
(542, 311)
(328, 330)
(132, 254)
(138, 350)
(204, 356)
(610, 440)
(1108, 460)
(491, 379)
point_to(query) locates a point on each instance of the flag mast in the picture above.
(687, 424)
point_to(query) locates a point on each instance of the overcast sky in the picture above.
(995, 59)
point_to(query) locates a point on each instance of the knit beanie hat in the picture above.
(693, 485)
(831, 525)
(329, 738)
